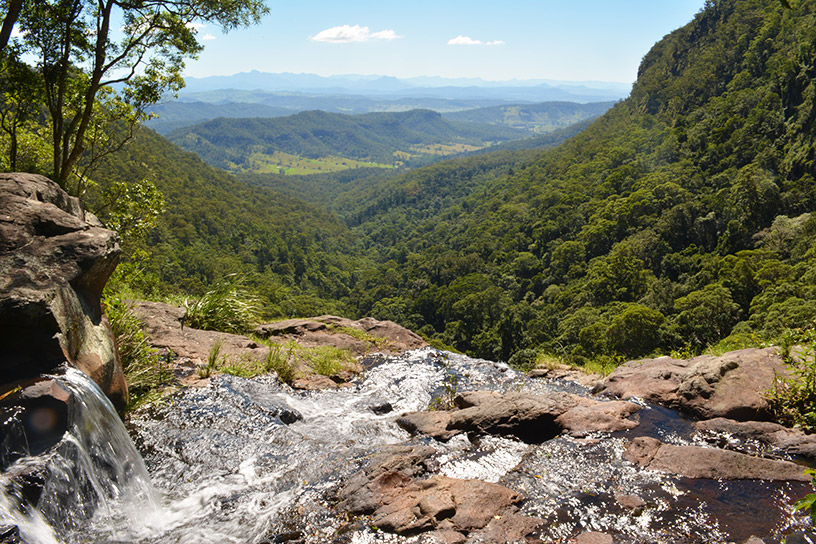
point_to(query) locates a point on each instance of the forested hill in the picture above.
(382, 138)
(543, 117)
(298, 258)
(682, 216)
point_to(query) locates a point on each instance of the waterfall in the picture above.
(94, 475)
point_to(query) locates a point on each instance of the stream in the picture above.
(253, 461)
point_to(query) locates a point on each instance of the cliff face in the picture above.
(54, 262)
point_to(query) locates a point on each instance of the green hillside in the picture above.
(176, 114)
(296, 256)
(682, 216)
(544, 117)
(380, 139)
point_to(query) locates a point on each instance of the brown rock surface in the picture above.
(711, 463)
(54, 262)
(377, 336)
(392, 491)
(731, 386)
(791, 441)
(533, 418)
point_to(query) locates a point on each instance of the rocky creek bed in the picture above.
(663, 450)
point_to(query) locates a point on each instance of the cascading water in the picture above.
(92, 480)
(252, 461)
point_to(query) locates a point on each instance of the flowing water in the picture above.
(252, 461)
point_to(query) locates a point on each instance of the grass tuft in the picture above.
(227, 307)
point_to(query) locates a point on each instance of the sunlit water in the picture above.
(252, 461)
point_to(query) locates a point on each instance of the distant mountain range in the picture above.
(420, 87)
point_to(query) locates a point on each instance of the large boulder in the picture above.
(54, 262)
(533, 418)
(711, 463)
(731, 386)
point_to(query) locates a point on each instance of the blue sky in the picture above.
(575, 40)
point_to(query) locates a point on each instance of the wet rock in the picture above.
(731, 386)
(329, 330)
(9, 534)
(754, 540)
(38, 413)
(633, 503)
(790, 441)
(54, 262)
(711, 463)
(531, 418)
(382, 408)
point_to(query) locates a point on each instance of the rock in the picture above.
(790, 441)
(707, 386)
(566, 373)
(532, 418)
(54, 262)
(593, 537)
(434, 424)
(711, 463)
(391, 490)
(374, 336)
(37, 418)
(592, 416)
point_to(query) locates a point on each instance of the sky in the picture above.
(570, 40)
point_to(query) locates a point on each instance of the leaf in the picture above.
(786, 4)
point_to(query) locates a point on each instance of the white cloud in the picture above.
(195, 26)
(207, 37)
(467, 40)
(17, 33)
(349, 34)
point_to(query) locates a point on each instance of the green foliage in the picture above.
(80, 104)
(808, 502)
(793, 398)
(544, 117)
(214, 360)
(449, 389)
(281, 360)
(145, 372)
(325, 360)
(227, 307)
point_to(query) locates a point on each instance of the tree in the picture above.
(80, 62)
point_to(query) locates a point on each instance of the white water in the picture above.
(226, 469)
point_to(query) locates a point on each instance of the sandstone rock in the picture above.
(598, 416)
(791, 441)
(532, 418)
(593, 537)
(707, 386)
(711, 463)
(390, 489)
(54, 262)
(563, 372)
(374, 336)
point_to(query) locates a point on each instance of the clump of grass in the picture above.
(227, 307)
(145, 372)
(326, 360)
(214, 360)
(282, 361)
